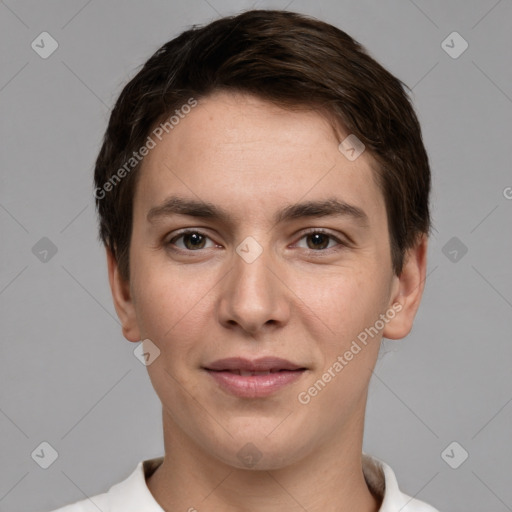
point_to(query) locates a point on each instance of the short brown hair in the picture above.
(291, 60)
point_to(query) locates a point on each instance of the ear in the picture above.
(123, 301)
(407, 291)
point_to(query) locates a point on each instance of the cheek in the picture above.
(171, 313)
(172, 308)
(349, 306)
(158, 302)
(345, 300)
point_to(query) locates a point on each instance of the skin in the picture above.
(294, 301)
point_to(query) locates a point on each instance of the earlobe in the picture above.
(123, 301)
(408, 290)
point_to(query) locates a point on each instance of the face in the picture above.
(285, 254)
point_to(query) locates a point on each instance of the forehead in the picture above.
(247, 153)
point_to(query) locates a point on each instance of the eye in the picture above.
(319, 240)
(192, 240)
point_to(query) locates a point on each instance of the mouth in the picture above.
(248, 373)
(254, 378)
(260, 365)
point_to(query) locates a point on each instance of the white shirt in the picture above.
(133, 495)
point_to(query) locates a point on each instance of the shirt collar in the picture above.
(382, 482)
(133, 495)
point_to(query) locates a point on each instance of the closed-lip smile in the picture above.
(254, 378)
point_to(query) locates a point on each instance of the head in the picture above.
(244, 118)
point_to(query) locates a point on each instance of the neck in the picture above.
(329, 478)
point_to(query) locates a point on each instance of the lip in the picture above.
(261, 364)
(226, 372)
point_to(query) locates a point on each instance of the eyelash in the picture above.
(312, 231)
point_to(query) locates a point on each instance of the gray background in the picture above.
(67, 375)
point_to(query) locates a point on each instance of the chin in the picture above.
(258, 451)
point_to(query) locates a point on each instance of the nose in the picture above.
(254, 297)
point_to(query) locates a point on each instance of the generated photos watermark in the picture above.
(152, 140)
(304, 397)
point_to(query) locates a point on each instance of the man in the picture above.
(263, 193)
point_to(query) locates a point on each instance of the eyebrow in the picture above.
(176, 205)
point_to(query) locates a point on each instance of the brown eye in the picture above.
(191, 240)
(194, 241)
(318, 240)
